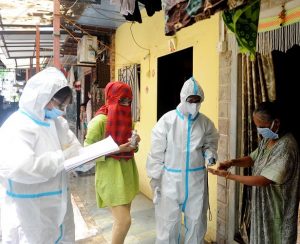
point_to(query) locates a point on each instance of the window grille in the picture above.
(131, 76)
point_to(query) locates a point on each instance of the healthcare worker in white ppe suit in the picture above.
(176, 166)
(34, 143)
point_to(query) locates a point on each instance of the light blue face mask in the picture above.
(267, 132)
(53, 113)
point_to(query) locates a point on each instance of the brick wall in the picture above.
(224, 119)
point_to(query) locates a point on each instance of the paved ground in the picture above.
(93, 225)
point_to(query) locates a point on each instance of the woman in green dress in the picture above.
(116, 177)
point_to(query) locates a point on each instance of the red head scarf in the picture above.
(119, 121)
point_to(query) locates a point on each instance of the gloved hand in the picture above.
(155, 184)
(156, 195)
(210, 158)
(62, 129)
(71, 151)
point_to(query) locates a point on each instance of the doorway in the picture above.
(172, 71)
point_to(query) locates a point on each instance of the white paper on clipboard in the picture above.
(96, 150)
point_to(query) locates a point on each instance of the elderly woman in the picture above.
(275, 180)
(116, 174)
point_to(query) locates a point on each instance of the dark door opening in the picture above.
(172, 71)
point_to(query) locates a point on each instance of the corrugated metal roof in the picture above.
(18, 20)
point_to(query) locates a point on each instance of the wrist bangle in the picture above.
(227, 175)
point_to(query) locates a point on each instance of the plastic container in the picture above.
(133, 140)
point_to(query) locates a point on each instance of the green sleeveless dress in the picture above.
(116, 181)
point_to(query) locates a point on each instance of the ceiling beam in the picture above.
(24, 26)
(29, 42)
(28, 32)
(42, 56)
(30, 45)
(20, 51)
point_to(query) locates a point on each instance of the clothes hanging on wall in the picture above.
(151, 7)
(177, 18)
(136, 16)
(243, 22)
(209, 8)
(127, 7)
(180, 14)
(236, 3)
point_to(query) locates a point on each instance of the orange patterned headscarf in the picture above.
(119, 121)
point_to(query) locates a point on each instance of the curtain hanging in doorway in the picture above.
(258, 85)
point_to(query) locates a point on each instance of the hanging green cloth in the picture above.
(243, 22)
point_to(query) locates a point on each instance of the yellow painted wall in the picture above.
(203, 37)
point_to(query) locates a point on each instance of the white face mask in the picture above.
(192, 108)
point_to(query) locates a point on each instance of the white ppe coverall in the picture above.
(37, 208)
(179, 141)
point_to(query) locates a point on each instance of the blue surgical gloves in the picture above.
(210, 159)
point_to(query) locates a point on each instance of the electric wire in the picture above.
(73, 5)
(136, 41)
(101, 43)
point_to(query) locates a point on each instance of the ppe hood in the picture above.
(40, 89)
(191, 87)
